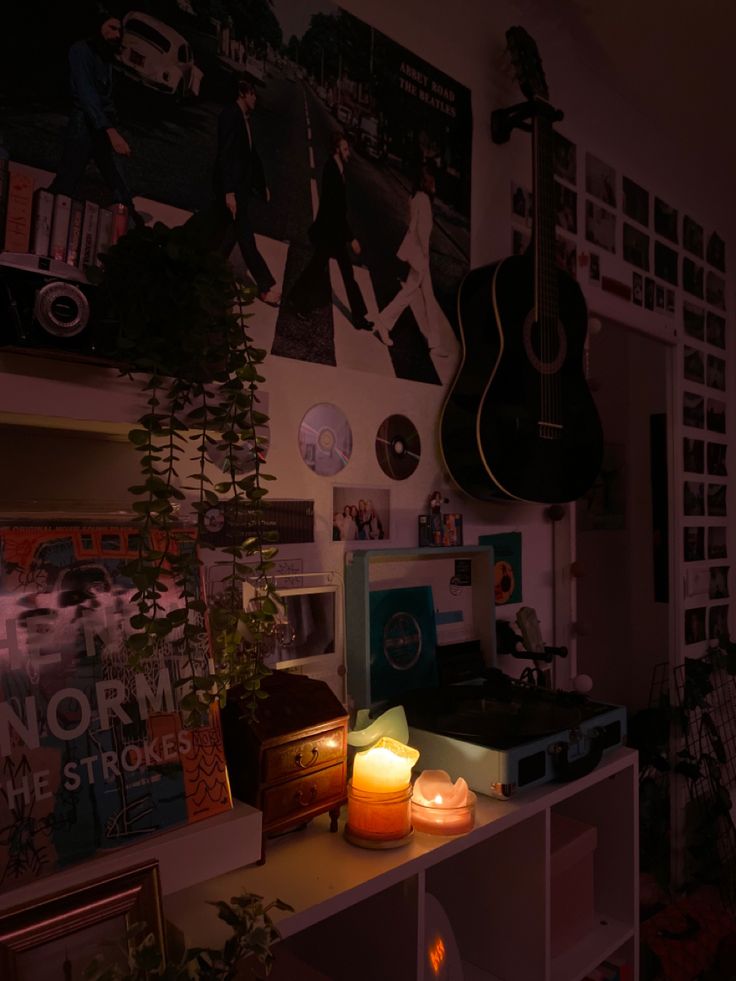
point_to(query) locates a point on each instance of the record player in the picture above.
(465, 715)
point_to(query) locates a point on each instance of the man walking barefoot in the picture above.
(331, 237)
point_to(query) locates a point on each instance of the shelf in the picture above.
(600, 943)
(321, 875)
(187, 855)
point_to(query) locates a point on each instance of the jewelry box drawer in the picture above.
(303, 794)
(291, 759)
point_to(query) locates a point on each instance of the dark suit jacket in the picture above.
(238, 168)
(330, 229)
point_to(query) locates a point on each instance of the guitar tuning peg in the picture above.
(595, 326)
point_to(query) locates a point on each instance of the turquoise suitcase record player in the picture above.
(465, 715)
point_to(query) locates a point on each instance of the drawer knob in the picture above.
(310, 798)
(310, 762)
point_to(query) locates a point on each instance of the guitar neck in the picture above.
(545, 276)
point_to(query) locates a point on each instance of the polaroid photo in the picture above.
(665, 220)
(665, 263)
(600, 226)
(636, 202)
(600, 180)
(716, 457)
(717, 547)
(694, 543)
(693, 455)
(693, 498)
(636, 247)
(692, 236)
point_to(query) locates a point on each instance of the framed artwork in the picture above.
(59, 935)
(96, 753)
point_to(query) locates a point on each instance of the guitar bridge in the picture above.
(549, 430)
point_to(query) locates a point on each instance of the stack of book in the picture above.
(55, 226)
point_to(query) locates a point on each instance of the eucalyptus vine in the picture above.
(181, 318)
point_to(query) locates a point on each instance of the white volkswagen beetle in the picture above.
(158, 57)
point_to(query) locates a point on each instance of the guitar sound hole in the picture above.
(545, 345)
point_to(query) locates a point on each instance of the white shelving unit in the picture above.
(360, 914)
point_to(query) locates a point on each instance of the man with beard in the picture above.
(92, 132)
(331, 237)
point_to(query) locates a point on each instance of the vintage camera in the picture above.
(49, 304)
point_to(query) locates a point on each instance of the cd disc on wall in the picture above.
(398, 447)
(325, 439)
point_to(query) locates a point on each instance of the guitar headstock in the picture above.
(527, 63)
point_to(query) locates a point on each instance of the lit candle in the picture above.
(439, 806)
(384, 768)
(379, 795)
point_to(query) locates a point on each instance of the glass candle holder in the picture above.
(378, 820)
(436, 820)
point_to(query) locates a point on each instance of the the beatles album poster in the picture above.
(331, 164)
(94, 754)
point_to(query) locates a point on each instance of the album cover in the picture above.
(507, 565)
(95, 752)
(291, 522)
(403, 641)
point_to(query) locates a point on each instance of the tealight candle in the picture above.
(441, 807)
(384, 768)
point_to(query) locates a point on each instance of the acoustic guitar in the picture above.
(519, 422)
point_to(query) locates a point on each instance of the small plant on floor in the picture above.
(247, 950)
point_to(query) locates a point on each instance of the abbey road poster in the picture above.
(143, 103)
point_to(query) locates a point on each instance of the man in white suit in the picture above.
(417, 289)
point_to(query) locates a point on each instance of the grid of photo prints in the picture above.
(669, 251)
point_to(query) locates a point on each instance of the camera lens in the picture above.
(61, 309)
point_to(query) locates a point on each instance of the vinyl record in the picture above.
(403, 641)
(325, 439)
(398, 447)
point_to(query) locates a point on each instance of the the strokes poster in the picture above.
(94, 754)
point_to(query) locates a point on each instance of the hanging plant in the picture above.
(181, 320)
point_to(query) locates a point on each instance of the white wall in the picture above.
(467, 42)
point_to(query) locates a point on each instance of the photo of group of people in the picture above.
(330, 163)
(360, 514)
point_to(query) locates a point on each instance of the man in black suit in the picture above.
(330, 235)
(238, 173)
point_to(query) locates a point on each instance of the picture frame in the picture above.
(76, 923)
